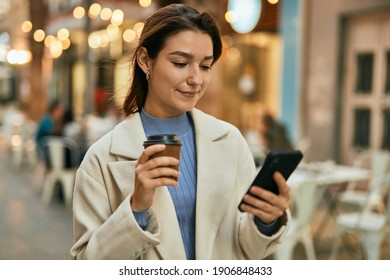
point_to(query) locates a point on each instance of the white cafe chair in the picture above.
(300, 230)
(378, 163)
(368, 225)
(60, 152)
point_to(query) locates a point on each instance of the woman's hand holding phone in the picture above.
(266, 205)
(268, 197)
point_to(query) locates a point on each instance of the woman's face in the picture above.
(180, 74)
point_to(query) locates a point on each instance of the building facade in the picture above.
(345, 77)
(319, 67)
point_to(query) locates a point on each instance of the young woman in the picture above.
(128, 206)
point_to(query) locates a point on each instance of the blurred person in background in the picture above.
(129, 205)
(263, 132)
(275, 134)
(73, 128)
(98, 123)
(51, 124)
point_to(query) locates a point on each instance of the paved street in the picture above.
(28, 229)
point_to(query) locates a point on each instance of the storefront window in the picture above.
(362, 122)
(365, 62)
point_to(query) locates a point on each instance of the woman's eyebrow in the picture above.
(188, 55)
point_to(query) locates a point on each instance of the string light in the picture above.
(18, 57)
(63, 34)
(129, 35)
(112, 30)
(79, 12)
(65, 44)
(61, 41)
(117, 17)
(94, 40)
(94, 10)
(49, 40)
(138, 27)
(106, 14)
(27, 26)
(145, 3)
(39, 35)
(231, 16)
(56, 48)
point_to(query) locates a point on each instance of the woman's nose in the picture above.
(195, 76)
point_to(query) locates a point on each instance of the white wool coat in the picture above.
(104, 225)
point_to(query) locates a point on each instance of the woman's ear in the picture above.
(143, 59)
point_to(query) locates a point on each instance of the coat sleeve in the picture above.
(99, 231)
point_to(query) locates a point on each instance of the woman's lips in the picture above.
(188, 93)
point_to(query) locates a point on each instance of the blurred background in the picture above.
(306, 74)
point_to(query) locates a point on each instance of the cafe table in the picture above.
(308, 184)
(326, 173)
(321, 176)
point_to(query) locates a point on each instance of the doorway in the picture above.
(365, 103)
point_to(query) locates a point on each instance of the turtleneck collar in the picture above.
(178, 125)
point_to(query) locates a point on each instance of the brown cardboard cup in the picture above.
(171, 142)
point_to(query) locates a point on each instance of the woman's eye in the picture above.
(180, 64)
(205, 67)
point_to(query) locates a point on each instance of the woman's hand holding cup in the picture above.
(157, 166)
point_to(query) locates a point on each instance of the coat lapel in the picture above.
(128, 137)
(215, 184)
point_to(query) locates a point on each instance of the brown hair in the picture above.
(164, 23)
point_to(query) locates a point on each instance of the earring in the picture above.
(147, 76)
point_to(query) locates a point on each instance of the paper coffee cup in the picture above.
(171, 142)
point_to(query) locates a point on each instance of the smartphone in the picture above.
(283, 161)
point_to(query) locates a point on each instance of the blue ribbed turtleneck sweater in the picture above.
(184, 195)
